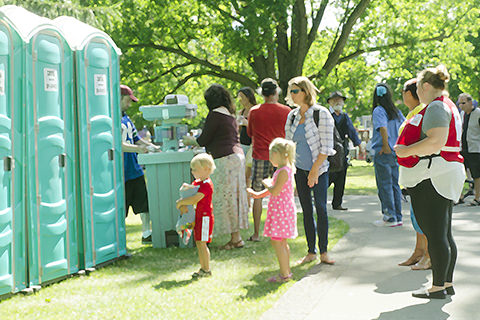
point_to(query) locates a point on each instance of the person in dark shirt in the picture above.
(471, 143)
(247, 99)
(345, 127)
(220, 139)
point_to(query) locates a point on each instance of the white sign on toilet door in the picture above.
(100, 84)
(50, 79)
(2, 82)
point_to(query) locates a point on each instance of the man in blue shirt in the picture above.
(135, 188)
(344, 125)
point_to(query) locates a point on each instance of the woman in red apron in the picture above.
(428, 152)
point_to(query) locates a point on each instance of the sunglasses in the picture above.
(295, 91)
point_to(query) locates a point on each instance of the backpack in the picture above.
(337, 161)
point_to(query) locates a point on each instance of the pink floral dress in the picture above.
(281, 219)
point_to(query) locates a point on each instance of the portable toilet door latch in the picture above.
(7, 163)
(62, 160)
(111, 153)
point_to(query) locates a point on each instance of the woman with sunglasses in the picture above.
(314, 139)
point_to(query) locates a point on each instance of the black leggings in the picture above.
(434, 216)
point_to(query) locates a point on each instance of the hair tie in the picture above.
(381, 91)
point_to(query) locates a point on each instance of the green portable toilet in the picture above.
(12, 211)
(50, 148)
(102, 214)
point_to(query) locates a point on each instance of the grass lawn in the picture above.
(156, 283)
(360, 179)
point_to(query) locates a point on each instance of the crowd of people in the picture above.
(270, 149)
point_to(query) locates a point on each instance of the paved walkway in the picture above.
(366, 282)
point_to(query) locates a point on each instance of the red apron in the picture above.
(412, 131)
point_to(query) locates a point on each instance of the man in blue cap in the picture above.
(135, 188)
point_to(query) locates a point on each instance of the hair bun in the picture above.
(442, 73)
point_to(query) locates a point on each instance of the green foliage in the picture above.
(182, 46)
(90, 12)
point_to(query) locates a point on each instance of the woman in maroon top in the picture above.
(220, 139)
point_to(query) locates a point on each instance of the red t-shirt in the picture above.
(204, 206)
(265, 123)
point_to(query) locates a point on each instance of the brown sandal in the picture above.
(308, 258)
(412, 260)
(423, 264)
(233, 245)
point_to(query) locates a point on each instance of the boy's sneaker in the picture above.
(383, 223)
(147, 240)
(201, 274)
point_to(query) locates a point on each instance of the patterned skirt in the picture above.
(230, 206)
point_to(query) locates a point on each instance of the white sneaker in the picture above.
(382, 223)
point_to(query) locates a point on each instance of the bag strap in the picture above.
(316, 117)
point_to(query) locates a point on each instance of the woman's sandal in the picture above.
(233, 245)
(423, 264)
(279, 278)
(308, 258)
(253, 239)
(326, 259)
(475, 203)
(412, 260)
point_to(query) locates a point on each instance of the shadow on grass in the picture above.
(157, 266)
(262, 287)
(170, 284)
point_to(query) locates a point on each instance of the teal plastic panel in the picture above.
(12, 213)
(53, 249)
(103, 209)
(119, 174)
(165, 173)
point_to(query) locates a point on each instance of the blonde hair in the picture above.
(203, 160)
(438, 77)
(284, 147)
(307, 86)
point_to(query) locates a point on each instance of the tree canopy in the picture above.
(182, 46)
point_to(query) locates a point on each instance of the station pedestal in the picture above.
(165, 173)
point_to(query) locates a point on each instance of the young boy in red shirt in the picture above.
(202, 166)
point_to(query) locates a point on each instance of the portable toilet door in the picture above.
(99, 141)
(50, 149)
(12, 211)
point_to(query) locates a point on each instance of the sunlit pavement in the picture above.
(367, 283)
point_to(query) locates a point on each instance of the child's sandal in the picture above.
(201, 274)
(279, 278)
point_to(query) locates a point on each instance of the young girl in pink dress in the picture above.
(281, 222)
